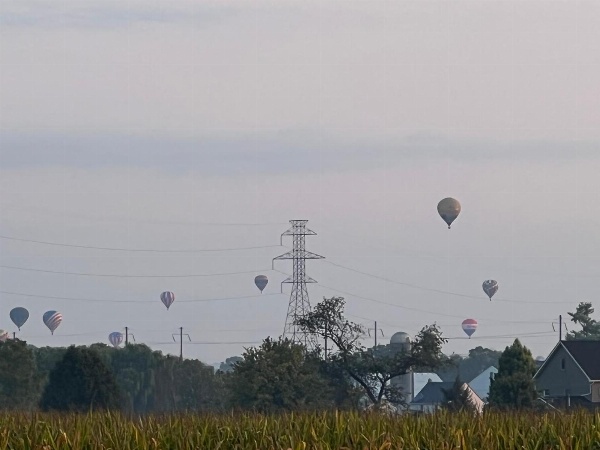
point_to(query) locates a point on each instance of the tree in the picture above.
(372, 369)
(134, 367)
(80, 382)
(513, 386)
(229, 363)
(590, 328)
(279, 376)
(457, 398)
(18, 381)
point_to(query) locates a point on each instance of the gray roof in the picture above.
(432, 392)
(587, 355)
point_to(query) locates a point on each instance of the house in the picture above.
(420, 379)
(481, 383)
(432, 397)
(570, 375)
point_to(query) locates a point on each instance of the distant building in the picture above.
(481, 383)
(570, 375)
(421, 379)
(431, 398)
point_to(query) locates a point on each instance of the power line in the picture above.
(422, 310)
(97, 300)
(146, 250)
(27, 269)
(440, 291)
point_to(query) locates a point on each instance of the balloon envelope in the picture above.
(490, 287)
(52, 320)
(19, 316)
(449, 209)
(115, 339)
(261, 282)
(3, 335)
(469, 326)
(167, 298)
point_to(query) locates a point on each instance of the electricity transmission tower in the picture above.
(299, 304)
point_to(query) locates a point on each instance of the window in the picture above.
(562, 364)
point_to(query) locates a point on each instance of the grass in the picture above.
(300, 431)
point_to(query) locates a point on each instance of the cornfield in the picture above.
(301, 431)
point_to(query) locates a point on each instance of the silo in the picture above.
(400, 343)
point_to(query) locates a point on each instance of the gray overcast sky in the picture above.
(146, 124)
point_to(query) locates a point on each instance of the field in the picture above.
(300, 431)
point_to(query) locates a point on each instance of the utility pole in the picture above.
(375, 329)
(299, 304)
(127, 335)
(560, 327)
(181, 335)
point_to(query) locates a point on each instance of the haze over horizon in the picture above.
(201, 125)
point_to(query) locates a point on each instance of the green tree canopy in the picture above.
(513, 386)
(373, 369)
(80, 382)
(278, 376)
(18, 377)
(590, 328)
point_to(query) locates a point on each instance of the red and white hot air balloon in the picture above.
(52, 320)
(167, 298)
(469, 326)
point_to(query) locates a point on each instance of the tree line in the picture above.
(278, 375)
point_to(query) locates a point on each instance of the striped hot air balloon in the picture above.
(167, 298)
(52, 320)
(469, 326)
(115, 339)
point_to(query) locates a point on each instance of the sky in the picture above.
(181, 138)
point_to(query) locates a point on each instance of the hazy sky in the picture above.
(150, 124)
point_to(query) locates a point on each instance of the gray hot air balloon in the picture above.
(52, 320)
(490, 287)
(19, 316)
(115, 339)
(167, 298)
(261, 282)
(449, 209)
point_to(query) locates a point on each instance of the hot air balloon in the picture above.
(261, 282)
(52, 319)
(3, 335)
(115, 339)
(469, 326)
(490, 287)
(19, 316)
(167, 298)
(449, 209)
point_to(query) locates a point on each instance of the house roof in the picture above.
(481, 383)
(421, 379)
(587, 355)
(432, 392)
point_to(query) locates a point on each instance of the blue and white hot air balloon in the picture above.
(52, 320)
(115, 339)
(167, 298)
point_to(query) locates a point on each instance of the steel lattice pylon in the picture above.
(299, 304)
